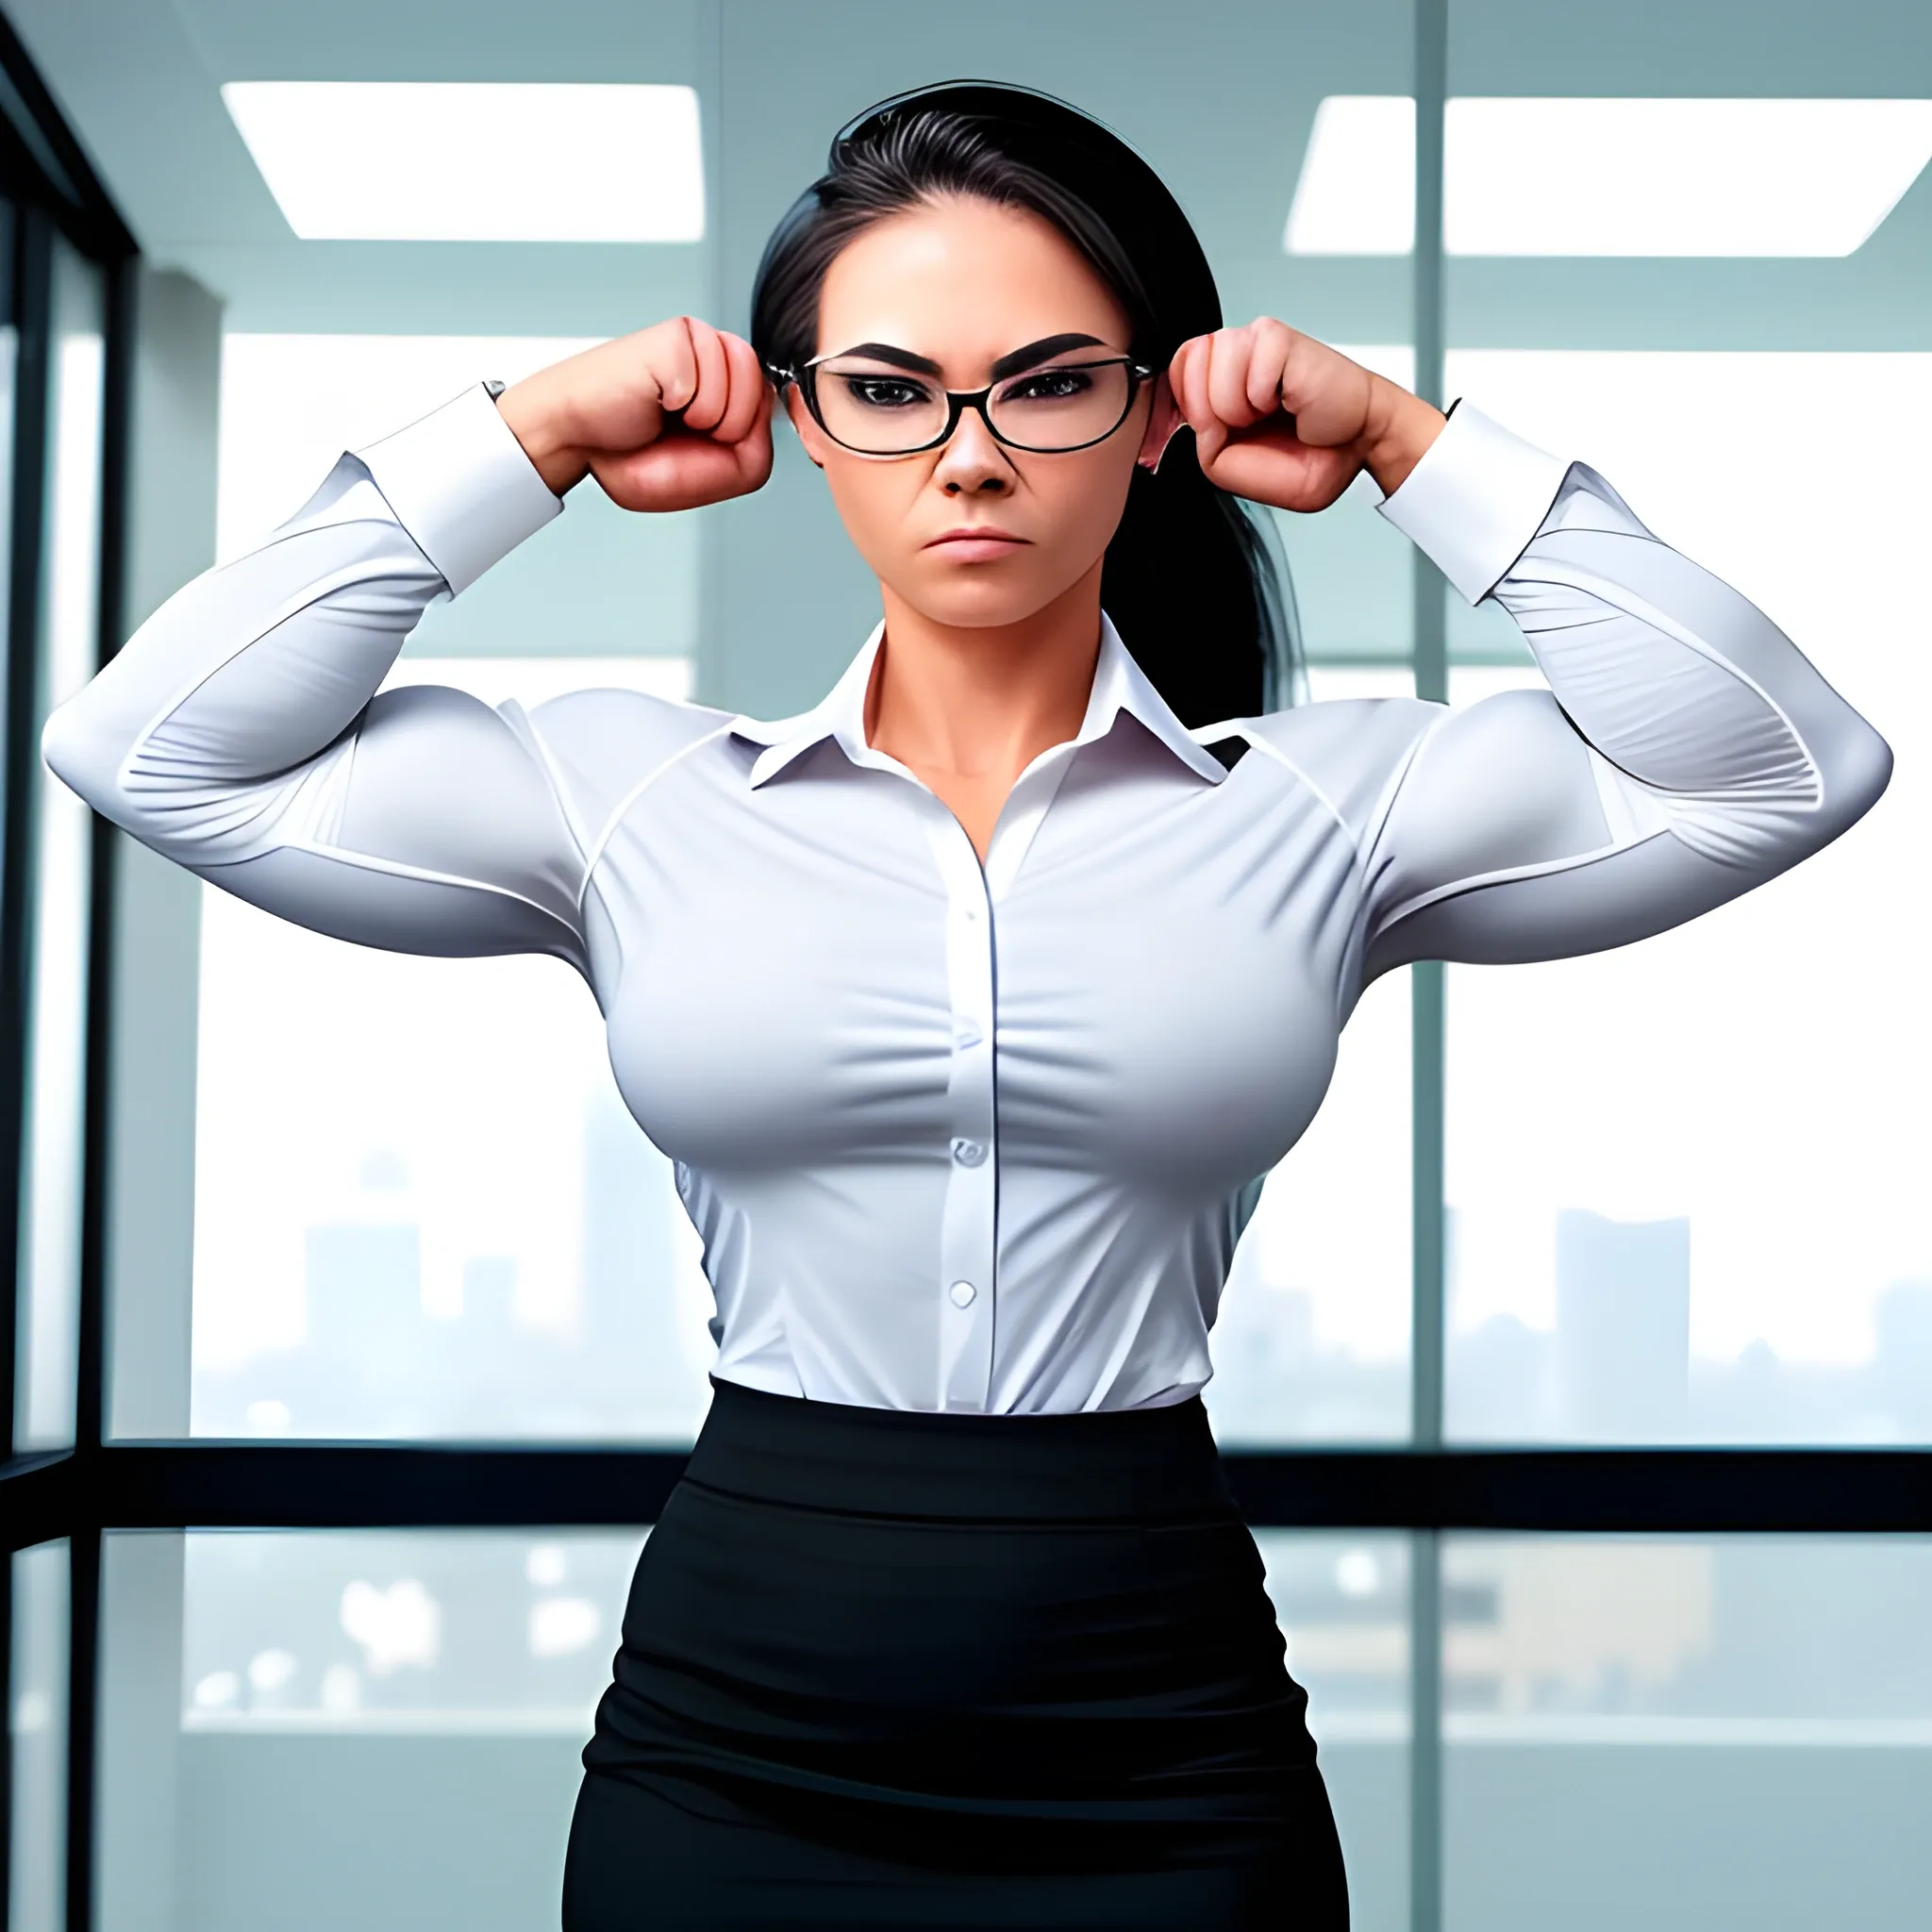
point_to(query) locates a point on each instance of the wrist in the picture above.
(1397, 433)
(536, 421)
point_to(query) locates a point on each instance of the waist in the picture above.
(1145, 1465)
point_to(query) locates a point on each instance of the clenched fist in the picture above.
(669, 418)
(1282, 419)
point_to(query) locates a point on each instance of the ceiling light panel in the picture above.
(463, 161)
(1619, 177)
(1357, 190)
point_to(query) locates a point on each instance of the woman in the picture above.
(968, 1002)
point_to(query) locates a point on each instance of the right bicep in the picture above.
(430, 826)
(236, 734)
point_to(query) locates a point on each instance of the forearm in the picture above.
(254, 665)
(1701, 708)
(252, 669)
(1683, 683)
(255, 668)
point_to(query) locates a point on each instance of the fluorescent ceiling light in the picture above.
(449, 162)
(1357, 190)
(1592, 176)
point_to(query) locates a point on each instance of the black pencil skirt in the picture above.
(882, 1668)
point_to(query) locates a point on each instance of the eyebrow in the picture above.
(1034, 352)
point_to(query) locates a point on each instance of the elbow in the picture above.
(1855, 776)
(95, 759)
(75, 752)
(1876, 772)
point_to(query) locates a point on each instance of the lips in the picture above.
(983, 542)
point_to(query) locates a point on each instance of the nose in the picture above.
(970, 461)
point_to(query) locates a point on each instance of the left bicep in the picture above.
(1683, 751)
(1509, 838)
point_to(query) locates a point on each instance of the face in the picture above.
(962, 285)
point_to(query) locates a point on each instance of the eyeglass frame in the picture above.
(960, 400)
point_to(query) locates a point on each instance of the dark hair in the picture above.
(1194, 583)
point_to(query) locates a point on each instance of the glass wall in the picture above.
(422, 1698)
(425, 1210)
(1343, 1601)
(1686, 1732)
(1682, 1181)
(37, 1739)
(1666, 1731)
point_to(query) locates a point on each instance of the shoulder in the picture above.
(623, 726)
(600, 744)
(1345, 730)
(1348, 749)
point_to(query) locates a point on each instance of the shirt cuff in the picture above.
(461, 485)
(1476, 498)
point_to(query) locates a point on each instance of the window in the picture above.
(56, 1058)
(1681, 1175)
(37, 1739)
(423, 1210)
(1684, 1731)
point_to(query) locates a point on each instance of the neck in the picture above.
(983, 701)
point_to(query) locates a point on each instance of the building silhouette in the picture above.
(1623, 1357)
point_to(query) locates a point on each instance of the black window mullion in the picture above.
(33, 257)
(1659, 1491)
(117, 405)
(83, 1679)
(91, 1360)
(51, 187)
(7, 1754)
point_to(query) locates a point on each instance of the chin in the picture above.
(980, 597)
(978, 613)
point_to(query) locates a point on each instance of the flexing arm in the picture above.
(238, 732)
(1685, 752)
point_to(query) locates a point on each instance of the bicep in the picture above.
(1510, 839)
(431, 825)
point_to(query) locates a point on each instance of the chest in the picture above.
(1152, 991)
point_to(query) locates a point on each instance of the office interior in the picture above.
(1575, 1369)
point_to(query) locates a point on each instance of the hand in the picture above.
(668, 417)
(1282, 419)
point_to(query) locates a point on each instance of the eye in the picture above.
(883, 391)
(1048, 386)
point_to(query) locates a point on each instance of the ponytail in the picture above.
(1199, 590)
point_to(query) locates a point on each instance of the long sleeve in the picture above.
(239, 733)
(1685, 751)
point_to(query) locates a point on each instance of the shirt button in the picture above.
(969, 1152)
(965, 1034)
(961, 1295)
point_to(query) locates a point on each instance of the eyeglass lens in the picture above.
(888, 412)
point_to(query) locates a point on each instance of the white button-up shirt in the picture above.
(960, 1137)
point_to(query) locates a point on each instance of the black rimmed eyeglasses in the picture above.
(1067, 403)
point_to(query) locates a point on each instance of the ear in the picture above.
(810, 434)
(1162, 421)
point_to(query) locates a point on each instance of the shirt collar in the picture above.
(1119, 686)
